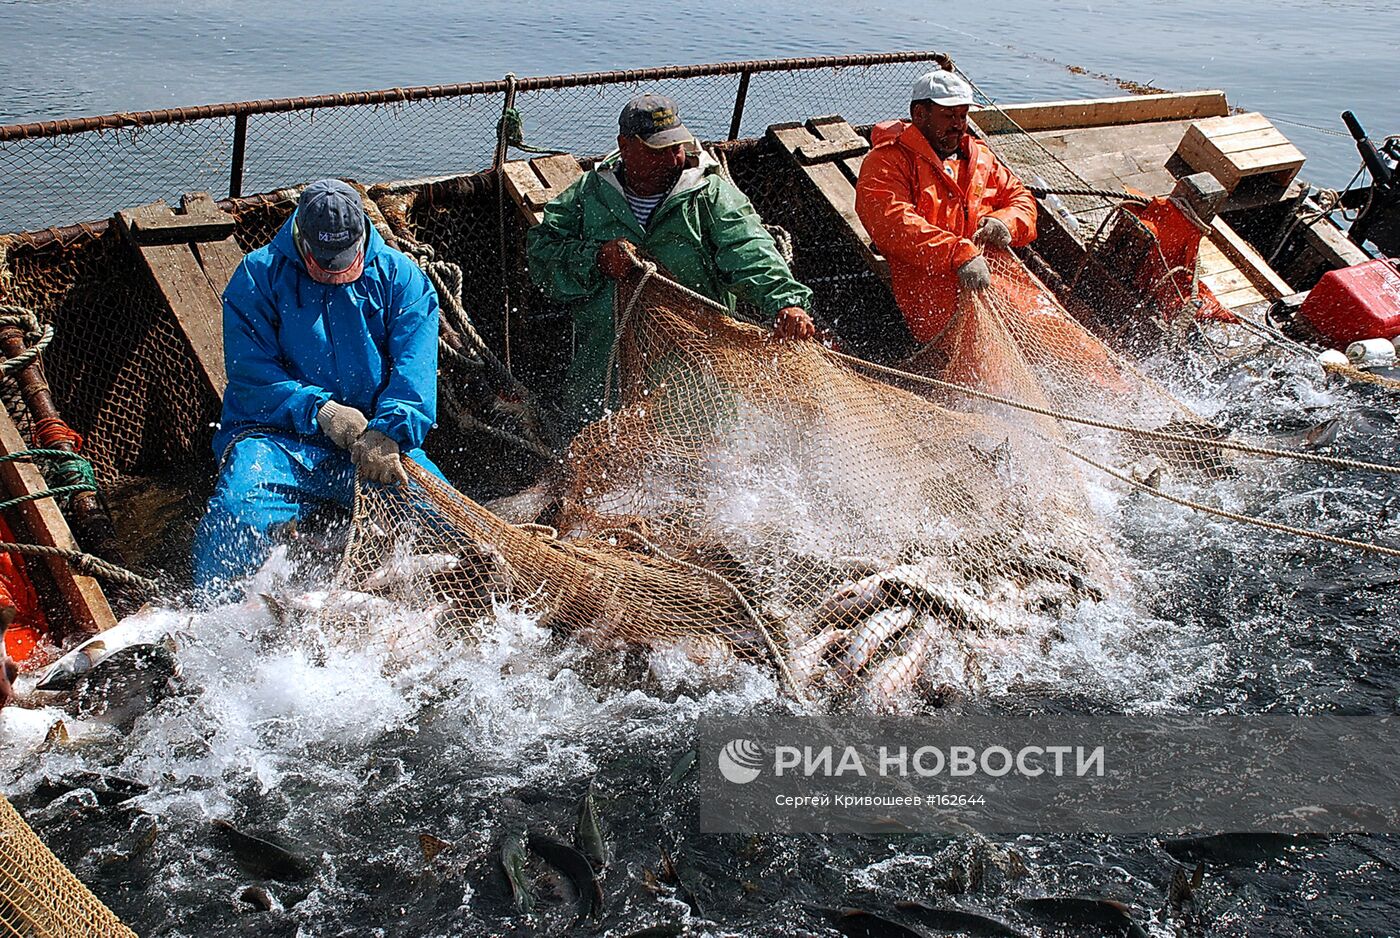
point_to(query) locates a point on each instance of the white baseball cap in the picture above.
(942, 87)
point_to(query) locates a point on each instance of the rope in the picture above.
(1086, 190)
(1163, 435)
(779, 663)
(30, 355)
(1352, 373)
(1235, 516)
(75, 471)
(622, 319)
(513, 130)
(84, 563)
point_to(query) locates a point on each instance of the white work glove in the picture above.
(974, 275)
(342, 424)
(377, 458)
(992, 231)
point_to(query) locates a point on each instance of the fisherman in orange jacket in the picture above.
(933, 197)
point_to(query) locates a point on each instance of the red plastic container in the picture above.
(1355, 303)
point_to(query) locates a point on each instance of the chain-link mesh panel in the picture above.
(56, 180)
(371, 143)
(861, 94)
(87, 174)
(120, 371)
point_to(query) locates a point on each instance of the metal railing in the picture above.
(88, 166)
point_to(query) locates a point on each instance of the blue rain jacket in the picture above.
(291, 344)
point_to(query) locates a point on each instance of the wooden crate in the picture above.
(1242, 145)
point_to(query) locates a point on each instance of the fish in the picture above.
(147, 626)
(138, 840)
(866, 638)
(893, 678)
(680, 770)
(576, 867)
(1234, 849)
(432, 845)
(109, 789)
(1086, 910)
(257, 899)
(589, 830)
(961, 921)
(408, 569)
(28, 730)
(1210, 461)
(513, 863)
(126, 683)
(866, 924)
(1181, 889)
(259, 857)
(807, 659)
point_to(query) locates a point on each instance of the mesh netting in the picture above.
(761, 500)
(39, 896)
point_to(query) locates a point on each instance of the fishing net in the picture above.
(39, 896)
(756, 499)
(1017, 345)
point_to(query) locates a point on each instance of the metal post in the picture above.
(240, 144)
(739, 99)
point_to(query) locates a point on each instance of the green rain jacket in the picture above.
(705, 232)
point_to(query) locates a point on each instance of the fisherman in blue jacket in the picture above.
(330, 342)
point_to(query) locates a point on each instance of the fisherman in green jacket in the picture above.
(663, 194)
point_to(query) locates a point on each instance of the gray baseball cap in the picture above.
(943, 88)
(330, 225)
(655, 119)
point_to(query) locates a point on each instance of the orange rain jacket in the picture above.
(922, 213)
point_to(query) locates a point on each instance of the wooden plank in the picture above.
(157, 224)
(1268, 160)
(1210, 260)
(1240, 298)
(191, 298)
(1249, 140)
(198, 310)
(533, 184)
(1332, 245)
(219, 259)
(1226, 281)
(836, 129)
(1248, 260)
(45, 525)
(525, 189)
(1233, 124)
(1103, 112)
(833, 184)
(834, 139)
(558, 172)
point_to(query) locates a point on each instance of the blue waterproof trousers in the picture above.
(268, 479)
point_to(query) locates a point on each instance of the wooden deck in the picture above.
(1130, 144)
